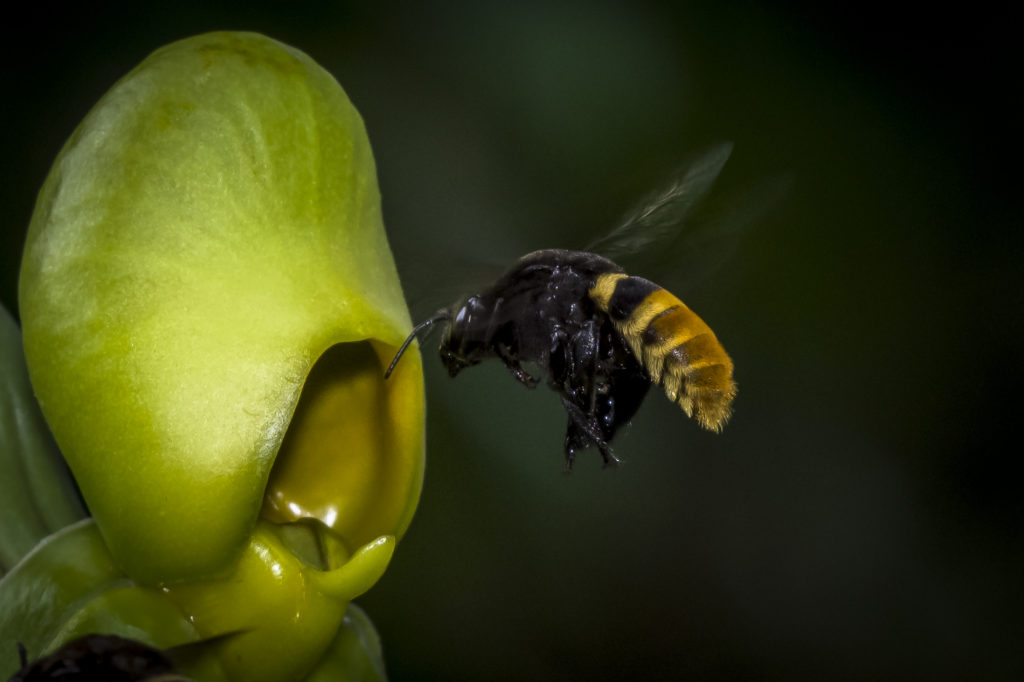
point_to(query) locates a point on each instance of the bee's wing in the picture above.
(715, 231)
(659, 216)
(430, 287)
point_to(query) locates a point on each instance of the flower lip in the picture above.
(275, 602)
(349, 467)
(359, 573)
(333, 568)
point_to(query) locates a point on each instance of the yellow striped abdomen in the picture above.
(675, 346)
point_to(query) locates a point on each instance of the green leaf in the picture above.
(37, 495)
(69, 586)
(355, 655)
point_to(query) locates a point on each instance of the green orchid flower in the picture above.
(208, 304)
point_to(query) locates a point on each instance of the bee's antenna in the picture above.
(441, 316)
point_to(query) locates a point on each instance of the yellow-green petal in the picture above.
(210, 231)
(286, 613)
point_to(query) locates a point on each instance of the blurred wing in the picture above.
(692, 241)
(659, 217)
(438, 280)
(714, 233)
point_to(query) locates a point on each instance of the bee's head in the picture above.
(462, 340)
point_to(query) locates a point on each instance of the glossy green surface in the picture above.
(209, 231)
(209, 301)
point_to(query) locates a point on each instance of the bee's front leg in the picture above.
(512, 362)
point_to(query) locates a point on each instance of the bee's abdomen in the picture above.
(675, 346)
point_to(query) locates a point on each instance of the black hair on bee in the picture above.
(114, 658)
(98, 657)
(600, 336)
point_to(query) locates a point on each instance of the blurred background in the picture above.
(860, 516)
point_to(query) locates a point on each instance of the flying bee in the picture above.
(600, 336)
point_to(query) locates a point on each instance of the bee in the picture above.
(112, 657)
(600, 337)
(99, 657)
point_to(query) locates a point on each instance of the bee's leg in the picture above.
(610, 460)
(589, 375)
(512, 362)
(557, 359)
(578, 359)
(578, 365)
(503, 348)
(584, 430)
(592, 358)
(574, 442)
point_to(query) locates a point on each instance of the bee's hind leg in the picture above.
(582, 432)
(610, 460)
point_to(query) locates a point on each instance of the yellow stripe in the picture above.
(676, 327)
(649, 308)
(703, 350)
(604, 287)
(700, 379)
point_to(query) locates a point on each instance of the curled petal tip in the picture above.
(360, 572)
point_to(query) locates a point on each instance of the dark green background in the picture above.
(860, 517)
